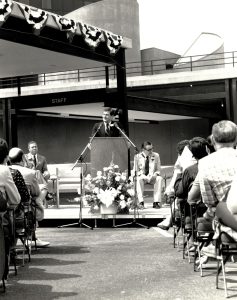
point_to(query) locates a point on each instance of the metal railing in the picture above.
(139, 68)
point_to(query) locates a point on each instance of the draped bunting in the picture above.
(35, 17)
(92, 35)
(38, 18)
(67, 25)
(5, 10)
(113, 41)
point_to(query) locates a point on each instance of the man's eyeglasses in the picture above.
(149, 150)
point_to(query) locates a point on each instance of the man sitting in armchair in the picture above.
(147, 169)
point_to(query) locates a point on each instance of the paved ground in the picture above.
(111, 263)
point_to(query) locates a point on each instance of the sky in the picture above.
(173, 25)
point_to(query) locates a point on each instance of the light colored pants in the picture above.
(156, 180)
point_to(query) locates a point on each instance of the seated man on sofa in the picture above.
(147, 167)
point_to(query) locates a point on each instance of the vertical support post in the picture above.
(19, 86)
(14, 123)
(227, 98)
(107, 76)
(122, 90)
(7, 122)
(122, 94)
(233, 100)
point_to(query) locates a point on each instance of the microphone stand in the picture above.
(80, 159)
(135, 205)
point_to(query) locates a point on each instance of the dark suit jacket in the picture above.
(41, 163)
(114, 132)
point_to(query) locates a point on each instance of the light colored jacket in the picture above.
(8, 187)
(30, 179)
(154, 164)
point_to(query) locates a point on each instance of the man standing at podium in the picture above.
(147, 169)
(106, 128)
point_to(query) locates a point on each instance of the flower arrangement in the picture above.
(109, 188)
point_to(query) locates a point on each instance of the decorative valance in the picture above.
(39, 18)
(35, 17)
(92, 35)
(113, 41)
(5, 10)
(67, 25)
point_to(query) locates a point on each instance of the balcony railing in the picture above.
(141, 68)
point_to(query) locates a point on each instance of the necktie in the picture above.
(107, 128)
(147, 165)
(35, 162)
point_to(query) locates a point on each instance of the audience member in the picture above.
(199, 148)
(38, 194)
(147, 167)
(216, 171)
(184, 159)
(7, 185)
(10, 193)
(25, 197)
(106, 128)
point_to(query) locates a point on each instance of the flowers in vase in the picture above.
(110, 187)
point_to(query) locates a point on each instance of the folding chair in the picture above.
(201, 232)
(226, 248)
(26, 230)
(2, 254)
(226, 245)
(186, 228)
(175, 220)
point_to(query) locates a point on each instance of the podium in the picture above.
(105, 150)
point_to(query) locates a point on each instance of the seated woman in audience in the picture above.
(25, 197)
(178, 167)
(199, 148)
(185, 161)
(37, 192)
(10, 193)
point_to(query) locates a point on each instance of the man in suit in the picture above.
(37, 162)
(106, 128)
(147, 167)
(37, 191)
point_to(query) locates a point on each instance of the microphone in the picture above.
(97, 130)
(114, 124)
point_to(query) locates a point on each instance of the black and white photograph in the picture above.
(118, 159)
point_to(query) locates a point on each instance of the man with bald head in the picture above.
(38, 192)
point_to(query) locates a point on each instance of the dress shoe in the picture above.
(49, 197)
(141, 205)
(163, 227)
(156, 205)
(40, 243)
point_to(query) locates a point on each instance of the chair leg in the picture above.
(224, 278)
(3, 285)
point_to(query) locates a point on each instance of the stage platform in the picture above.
(70, 213)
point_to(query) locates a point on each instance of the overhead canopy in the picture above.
(63, 39)
(34, 41)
